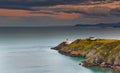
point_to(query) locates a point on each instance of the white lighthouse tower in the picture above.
(67, 41)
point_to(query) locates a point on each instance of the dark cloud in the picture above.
(16, 7)
(38, 12)
(115, 12)
(96, 11)
(27, 4)
(14, 4)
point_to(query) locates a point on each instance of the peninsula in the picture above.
(97, 52)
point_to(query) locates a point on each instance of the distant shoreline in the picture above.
(102, 25)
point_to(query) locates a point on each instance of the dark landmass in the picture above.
(97, 52)
(102, 25)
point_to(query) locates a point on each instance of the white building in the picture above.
(67, 41)
(92, 38)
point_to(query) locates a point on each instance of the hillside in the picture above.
(100, 52)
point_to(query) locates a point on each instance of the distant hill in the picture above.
(103, 25)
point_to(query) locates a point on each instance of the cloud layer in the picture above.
(91, 10)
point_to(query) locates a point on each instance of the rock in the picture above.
(80, 64)
(117, 68)
(60, 46)
(85, 64)
(100, 52)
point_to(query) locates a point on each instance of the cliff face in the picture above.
(96, 52)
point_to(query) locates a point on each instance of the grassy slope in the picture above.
(97, 51)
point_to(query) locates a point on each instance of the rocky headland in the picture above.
(97, 52)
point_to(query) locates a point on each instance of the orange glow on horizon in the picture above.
(22, 13)
(63, 15)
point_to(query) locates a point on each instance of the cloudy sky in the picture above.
(58, 12)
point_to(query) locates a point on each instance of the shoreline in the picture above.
(65, 49)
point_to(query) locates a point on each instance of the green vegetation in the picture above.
(95, 51)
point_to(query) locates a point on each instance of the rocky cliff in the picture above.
(100, 52)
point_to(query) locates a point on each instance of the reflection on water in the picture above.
(27, 50)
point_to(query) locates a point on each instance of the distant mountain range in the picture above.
(102, 25)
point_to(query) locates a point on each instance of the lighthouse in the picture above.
(67, 41)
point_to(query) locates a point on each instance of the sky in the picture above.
(58, 12)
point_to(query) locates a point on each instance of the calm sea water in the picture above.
(27, 50)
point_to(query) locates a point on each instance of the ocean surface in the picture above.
(27, 50)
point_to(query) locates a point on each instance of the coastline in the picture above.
(97, 52)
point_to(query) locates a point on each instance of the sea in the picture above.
(27, 49)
